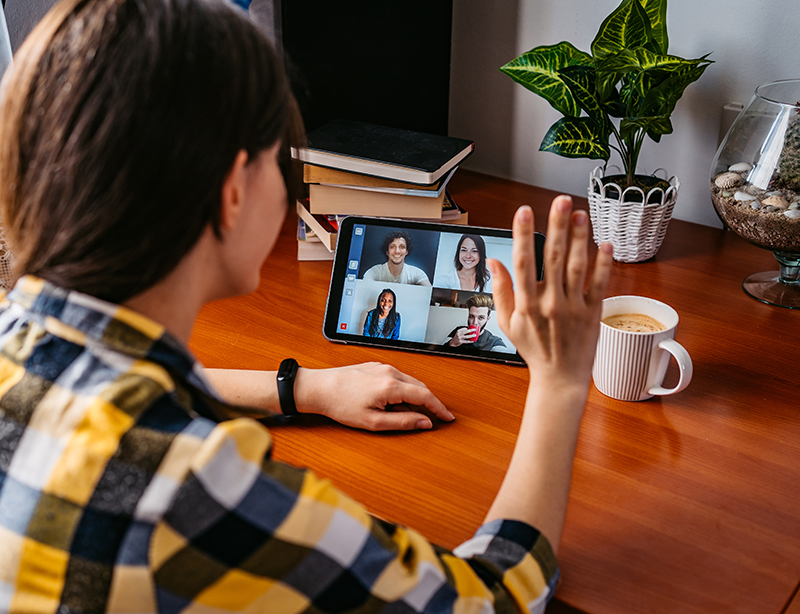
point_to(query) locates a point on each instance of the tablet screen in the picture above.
(419, 286)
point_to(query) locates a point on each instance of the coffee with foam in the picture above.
(634, 323)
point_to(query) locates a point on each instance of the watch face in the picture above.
(287, 369)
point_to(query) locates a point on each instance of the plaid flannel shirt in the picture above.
(119, 492)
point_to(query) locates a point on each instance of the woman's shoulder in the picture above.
(447, 280)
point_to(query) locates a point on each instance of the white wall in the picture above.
(22, 16)
(5, 43)
(751, 43)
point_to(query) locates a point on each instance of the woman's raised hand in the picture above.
(553, 323)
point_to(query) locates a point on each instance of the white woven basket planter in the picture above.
(635, 230)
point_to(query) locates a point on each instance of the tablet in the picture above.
(420, 286)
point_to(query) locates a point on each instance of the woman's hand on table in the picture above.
(371, 396)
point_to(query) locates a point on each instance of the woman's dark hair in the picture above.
(482, 274)
(391, 319)
(397, 234)
(120, 122)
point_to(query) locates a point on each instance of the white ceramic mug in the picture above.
(630, 366)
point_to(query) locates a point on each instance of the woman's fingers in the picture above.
(557, 245)
(524, 258)
(547, 320)
(416, 396)
(397, 421)
(502, 291)
(602, 271)
(578, 259)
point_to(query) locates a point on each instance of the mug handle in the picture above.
(684, 362)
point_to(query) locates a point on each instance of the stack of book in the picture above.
(313, 245)
(355, 168)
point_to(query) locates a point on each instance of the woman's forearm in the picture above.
(536, 486)
(253, 389)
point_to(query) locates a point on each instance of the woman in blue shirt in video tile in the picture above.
(383, 321)
(471, 272)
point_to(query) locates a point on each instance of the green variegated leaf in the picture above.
(580, 81)
(640, 59)
(606, 86)
(607, 80)
(665, 129)
(652, 125)
(538, 71)
(661, 100)
(648, 60)
(657, 13)
(626, 28)
(613, 105)
(677, 75)
(575, 137)
(628, 93)
(620, 62)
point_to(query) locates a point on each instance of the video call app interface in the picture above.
(424, 286)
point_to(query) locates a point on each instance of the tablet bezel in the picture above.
(340, 271)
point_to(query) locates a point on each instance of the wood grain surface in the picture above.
(685, 503)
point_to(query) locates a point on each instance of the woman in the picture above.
(471, 272)
(383, 321)
(141, 150)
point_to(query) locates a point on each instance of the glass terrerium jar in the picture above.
(755, 186)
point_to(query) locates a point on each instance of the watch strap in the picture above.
(287, 373)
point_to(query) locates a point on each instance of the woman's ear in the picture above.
(232, 196)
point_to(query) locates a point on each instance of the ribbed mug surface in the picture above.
(623, 361)
(629, 364)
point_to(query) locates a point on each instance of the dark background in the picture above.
(386, 63)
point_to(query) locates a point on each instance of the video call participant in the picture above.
(126, 482)
(397, 245)
(470, 338)
(471, 272)
(383, 321)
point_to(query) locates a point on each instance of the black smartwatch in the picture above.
(286, 375)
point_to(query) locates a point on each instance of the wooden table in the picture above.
(687, 503)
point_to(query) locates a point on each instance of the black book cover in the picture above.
(386, 145)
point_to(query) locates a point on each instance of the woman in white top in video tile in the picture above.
(471, 272)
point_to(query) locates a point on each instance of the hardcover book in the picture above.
(332, 176)
(309, 246)
(381, 151)
(332, 200)
(326, 231)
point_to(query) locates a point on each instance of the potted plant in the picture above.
(627, 87)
